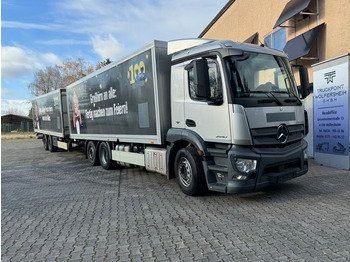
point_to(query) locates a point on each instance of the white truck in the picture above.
(216, 115)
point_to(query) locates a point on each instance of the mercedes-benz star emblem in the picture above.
(282, 134)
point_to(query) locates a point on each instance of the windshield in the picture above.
(261, 75)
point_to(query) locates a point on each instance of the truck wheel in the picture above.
(92, 153)
(189, 171)
(105, 156)
(70, 146)
(45, 143)
(51, 147)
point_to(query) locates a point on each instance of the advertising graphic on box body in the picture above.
(47, 112)
(118, 95)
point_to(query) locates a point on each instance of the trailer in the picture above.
(50, 120)
(216, 115)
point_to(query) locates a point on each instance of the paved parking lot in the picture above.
(56, 207)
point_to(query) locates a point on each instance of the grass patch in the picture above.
(18, 135)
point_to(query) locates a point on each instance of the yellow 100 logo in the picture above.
(137, 72)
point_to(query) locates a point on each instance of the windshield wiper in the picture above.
(267, 93)
(277, 100)
(270, 94)
(296, 100)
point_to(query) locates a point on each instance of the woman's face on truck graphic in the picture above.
(75, 103)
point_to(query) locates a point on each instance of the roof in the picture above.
(227, 47)
(10, 118)
(216, 18)
(183, 44)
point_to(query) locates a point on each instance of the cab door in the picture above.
(208, 117)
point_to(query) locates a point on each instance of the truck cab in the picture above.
(237, 121)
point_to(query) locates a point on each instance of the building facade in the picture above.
(309, 31)
(15, 123)
(276, 25)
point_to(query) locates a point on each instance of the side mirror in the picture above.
(304, 82)
(201, 77)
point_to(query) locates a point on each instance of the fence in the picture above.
(17, 127)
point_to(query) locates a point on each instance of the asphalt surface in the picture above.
(56, 207)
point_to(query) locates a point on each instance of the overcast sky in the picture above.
(41, 33)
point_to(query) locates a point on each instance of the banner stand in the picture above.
(331, 112)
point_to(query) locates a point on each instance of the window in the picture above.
(276, 39)
(259, 75)
(215, 83)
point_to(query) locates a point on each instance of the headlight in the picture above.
(245, 165)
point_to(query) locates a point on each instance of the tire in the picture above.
(189, 172)
(105, 156)
(92, 153)
(45, 142)
(70, 146)
(51, 147)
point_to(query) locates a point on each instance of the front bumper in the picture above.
(272, 168)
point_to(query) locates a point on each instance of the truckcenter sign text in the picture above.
(331, 110)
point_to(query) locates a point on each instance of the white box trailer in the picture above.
(50, 119)
(214, 114)
(124, 102)
(127, 101)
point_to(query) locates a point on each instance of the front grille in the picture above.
(263, 137)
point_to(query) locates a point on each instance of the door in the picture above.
(208, 117)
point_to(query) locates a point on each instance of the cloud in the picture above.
(107, 47)
(17, 62)
(50, 58)
(139, 22)
(64, 42)
(14, 24)
(128, 24)
(110, 29)
(18, 107)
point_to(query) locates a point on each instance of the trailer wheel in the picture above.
(105, 156)
(70, 145)
(92, 153)
(51, 147)
(189, 171)
(45, 143)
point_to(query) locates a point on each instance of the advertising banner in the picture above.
(47, 113)
(119, 100)
(331, 107)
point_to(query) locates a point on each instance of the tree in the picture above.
(46, 80)
(103, 63)
(30, 113)
(75, 70)
(55, 77)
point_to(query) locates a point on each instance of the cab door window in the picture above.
(215, 84)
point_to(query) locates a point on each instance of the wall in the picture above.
(244, 18)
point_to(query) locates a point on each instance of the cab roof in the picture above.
(225, 47)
